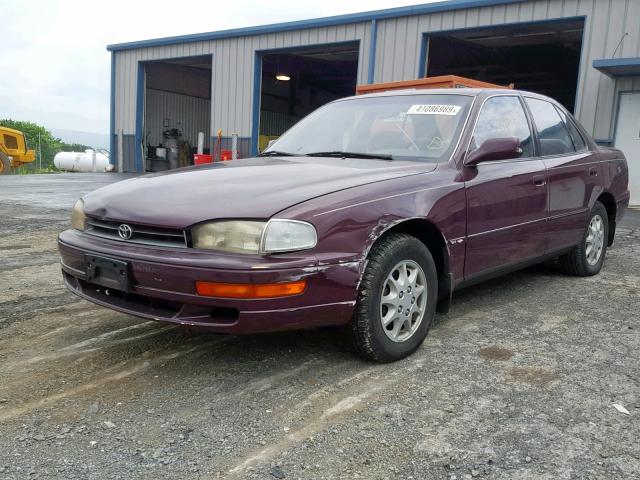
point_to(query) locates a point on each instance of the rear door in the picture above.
(506, 199)
(573, 172)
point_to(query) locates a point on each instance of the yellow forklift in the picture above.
(13, 150)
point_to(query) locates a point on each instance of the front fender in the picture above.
(349, 222)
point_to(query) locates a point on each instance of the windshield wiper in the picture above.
(275, 153)
(339, 154)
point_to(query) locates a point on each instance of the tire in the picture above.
(386, 260)
(5, 164)
(586, 258)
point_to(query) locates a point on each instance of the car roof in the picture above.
(471, 92)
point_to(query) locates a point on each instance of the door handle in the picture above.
(539, 180)
(593, 172)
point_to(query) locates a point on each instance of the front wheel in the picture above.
(5, 164)
(587, 257)
(396, 300)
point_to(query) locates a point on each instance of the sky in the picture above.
(54, 57)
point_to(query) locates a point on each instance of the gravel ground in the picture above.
(518, 381)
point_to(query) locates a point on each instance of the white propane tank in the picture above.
(82, 161)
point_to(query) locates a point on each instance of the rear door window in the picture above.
(552, 132)
(502, 117)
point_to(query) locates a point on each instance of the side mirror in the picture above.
(494, 149)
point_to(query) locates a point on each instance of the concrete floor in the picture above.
(518, 381)
(54, 191)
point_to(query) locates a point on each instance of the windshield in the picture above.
(408, 127)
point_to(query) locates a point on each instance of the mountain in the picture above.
(95, 140)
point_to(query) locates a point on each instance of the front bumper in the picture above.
(162, 286)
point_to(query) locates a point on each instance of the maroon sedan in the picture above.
(369, 213)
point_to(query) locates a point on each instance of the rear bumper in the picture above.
(162, 286)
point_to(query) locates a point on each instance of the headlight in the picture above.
(77, 216)
(229, 236)
(239, 236)
(288, 235)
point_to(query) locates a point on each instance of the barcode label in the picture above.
(434, 110)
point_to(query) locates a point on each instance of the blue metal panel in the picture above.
(372, 51)
(257, 87)
(581, 72)
(112, 107)
(424, 52)
(618, 67)
(436, 7)
(139, 118)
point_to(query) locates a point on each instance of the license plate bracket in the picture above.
(107, 272)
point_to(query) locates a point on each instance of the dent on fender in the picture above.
(384, 224)
(382, 227)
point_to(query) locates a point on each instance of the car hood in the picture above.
(255, 188)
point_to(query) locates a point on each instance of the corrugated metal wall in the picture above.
(234, 62)
(400, 39)
(397, 56)
(188, 114)
(232, 74)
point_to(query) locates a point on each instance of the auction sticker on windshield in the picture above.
(434, 110)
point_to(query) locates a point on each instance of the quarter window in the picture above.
(552, 131)
(576, 138)
(502, 117)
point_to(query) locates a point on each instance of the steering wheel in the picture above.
(436, 143)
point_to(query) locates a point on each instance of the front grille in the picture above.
(163, 237)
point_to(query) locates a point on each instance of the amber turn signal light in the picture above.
(249, 290)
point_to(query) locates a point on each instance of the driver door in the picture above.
(507, 205)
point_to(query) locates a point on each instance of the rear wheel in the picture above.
(396, 300)
(587, 258)
(5, 164)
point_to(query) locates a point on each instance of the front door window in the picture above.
(503, 117)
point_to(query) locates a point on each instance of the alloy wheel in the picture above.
(595, 240)
(403, 300)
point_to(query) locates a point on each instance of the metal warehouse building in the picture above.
(256, 82)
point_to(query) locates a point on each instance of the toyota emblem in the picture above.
(125, 232)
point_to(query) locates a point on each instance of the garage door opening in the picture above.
(294, 83)
(177, 108)
(542, 57)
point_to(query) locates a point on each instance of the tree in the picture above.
(73, 147)
(49, 145)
